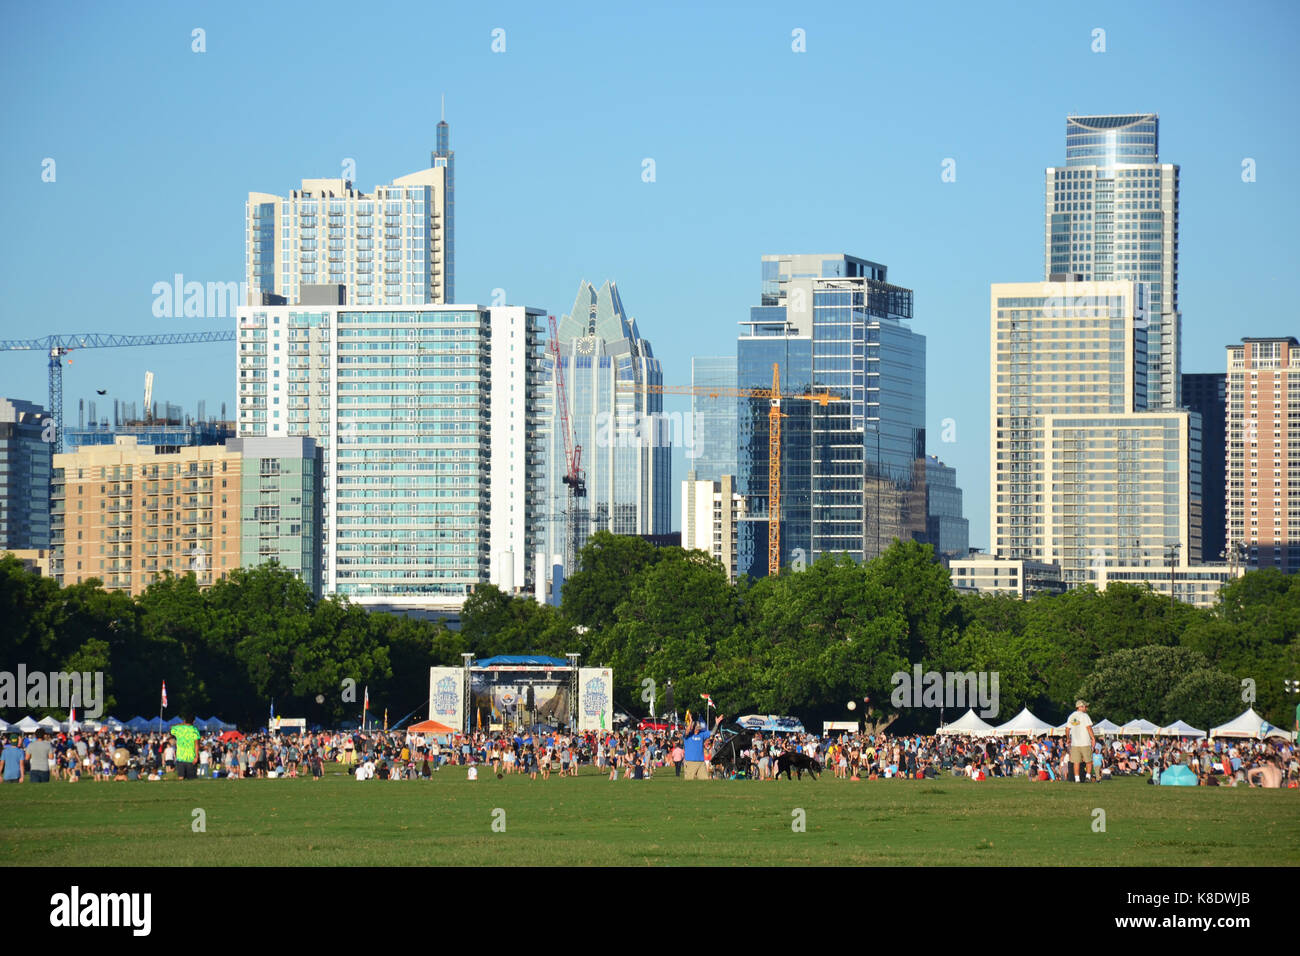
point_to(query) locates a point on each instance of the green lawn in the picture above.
(664, 821)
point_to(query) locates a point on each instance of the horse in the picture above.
(798, 763)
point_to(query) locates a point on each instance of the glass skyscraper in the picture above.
(853, 472)
(1112, 214)
(26, 466)
(712, 454)
(625, 438)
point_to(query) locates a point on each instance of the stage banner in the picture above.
(447, 696)
(595, 698)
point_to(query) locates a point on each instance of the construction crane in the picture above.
(58, 346)
(573, 478)
(774, 397)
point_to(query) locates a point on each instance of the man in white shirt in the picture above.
(1081, 739)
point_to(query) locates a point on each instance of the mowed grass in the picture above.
(663, 821)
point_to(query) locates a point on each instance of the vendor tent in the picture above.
(1138, 728)
(1248, 724)
(1105, 727)
(4, 727)
(968, 724)
(27, 725)
(1024, 724)
(49, 723)
(430, 727)
(1180, 728)
(137, 723)
(113, 724)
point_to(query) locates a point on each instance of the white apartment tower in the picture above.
(394, 246)
(429, 418)
(711, 513)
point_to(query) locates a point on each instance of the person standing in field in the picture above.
(1081, 739)
(38, 752)
(187, 749)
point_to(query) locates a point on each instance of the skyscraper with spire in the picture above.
(395, 246)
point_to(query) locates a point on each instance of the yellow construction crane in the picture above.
(774, 397)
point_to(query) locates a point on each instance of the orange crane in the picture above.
(574, 476)
(774, 397)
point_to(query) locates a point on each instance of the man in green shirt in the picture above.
(187, 750)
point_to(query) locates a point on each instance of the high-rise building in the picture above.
(712, 452)
(946, 528)
(1112, 214)
(1263, 440)
(1206, 394)
(128, 514)
(281, 518)
(395, 246)
(26, 460)
(625, 437)
(853, 471)
(429, 417)
(1082, 474)
(711, 513)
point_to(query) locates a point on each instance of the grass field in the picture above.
(664, 821)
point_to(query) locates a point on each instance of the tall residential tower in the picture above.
(395, 246)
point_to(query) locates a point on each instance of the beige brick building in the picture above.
(1263, 467)
(127, 514)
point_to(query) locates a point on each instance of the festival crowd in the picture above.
(397, 755)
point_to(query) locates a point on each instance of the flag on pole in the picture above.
(164, 695)
(706, 697)
(365, 707)
(385, 720)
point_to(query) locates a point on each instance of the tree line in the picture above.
(804, 643)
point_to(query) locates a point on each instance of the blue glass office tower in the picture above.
(712, 451)
(853, 471)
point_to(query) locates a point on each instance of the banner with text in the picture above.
(447, 696)
(595, 698)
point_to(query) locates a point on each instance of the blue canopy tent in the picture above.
(137, 723)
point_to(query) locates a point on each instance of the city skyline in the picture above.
(951, 239)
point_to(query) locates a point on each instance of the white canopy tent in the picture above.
(1180, 728)
(1024, 724)
(1139, 728)
(968, 724)
(27, 725)
(1249, 724)
(49, 723)
(4, 727)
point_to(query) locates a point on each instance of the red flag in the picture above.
(164, 695)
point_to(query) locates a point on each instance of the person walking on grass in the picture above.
(1082, 739)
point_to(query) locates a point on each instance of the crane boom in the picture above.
(573, 476)
(774, 397)
(57, 346)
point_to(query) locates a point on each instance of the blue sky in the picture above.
(757, 149)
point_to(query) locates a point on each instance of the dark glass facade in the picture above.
(1206, 393)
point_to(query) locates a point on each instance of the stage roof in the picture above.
(522, 660)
